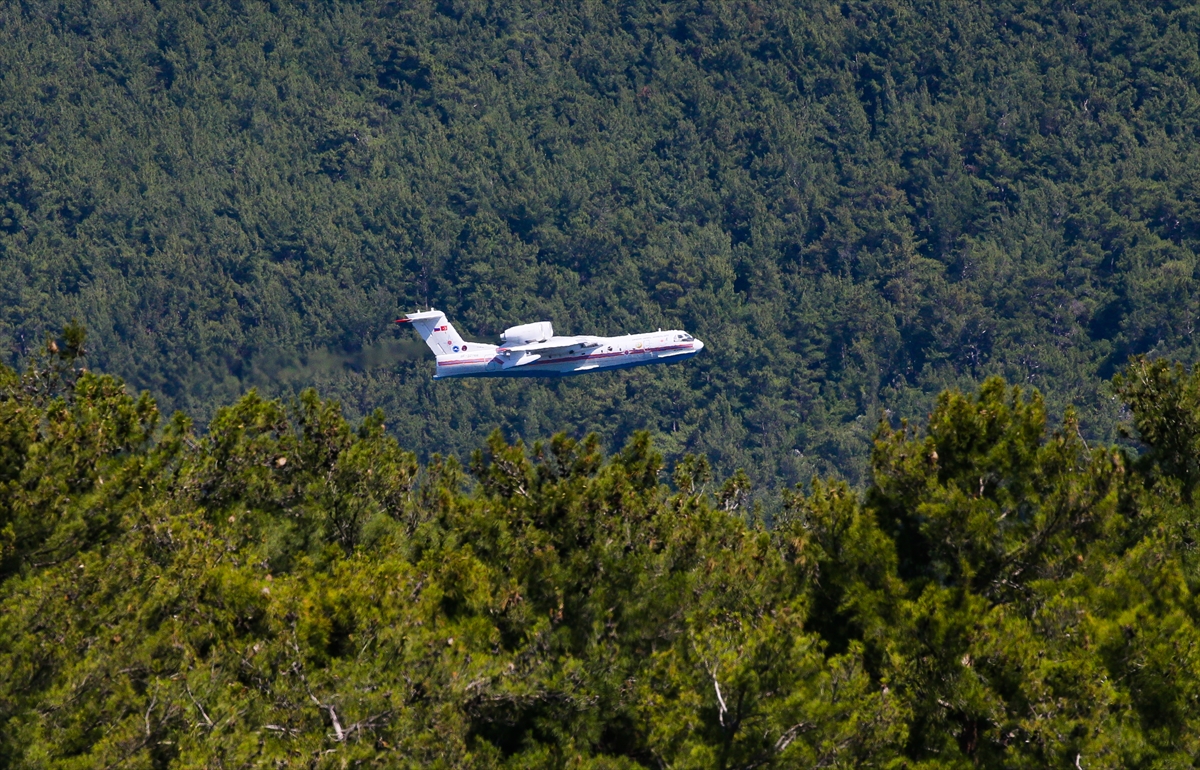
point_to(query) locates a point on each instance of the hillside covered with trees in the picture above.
(286, 589)
(855, 204)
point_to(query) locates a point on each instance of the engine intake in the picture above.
(527, 333)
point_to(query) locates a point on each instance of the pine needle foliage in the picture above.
(856, 204)
(290, 590)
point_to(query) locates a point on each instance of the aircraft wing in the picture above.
(550, 347)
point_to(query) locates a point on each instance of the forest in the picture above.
(856, 204)
(928, 499)
(288, 589)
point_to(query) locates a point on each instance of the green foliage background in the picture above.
(288, 590)
(856, 204)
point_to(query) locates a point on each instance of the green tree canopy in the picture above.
(857, 205)
(287, 589)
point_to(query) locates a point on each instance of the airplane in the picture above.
(532, 350)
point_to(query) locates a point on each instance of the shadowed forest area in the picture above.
(855, 204)
(287, 589)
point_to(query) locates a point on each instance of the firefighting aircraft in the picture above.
(532, 350)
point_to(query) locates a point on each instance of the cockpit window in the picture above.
(686, 337)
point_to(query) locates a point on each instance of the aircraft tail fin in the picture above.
(439, 334)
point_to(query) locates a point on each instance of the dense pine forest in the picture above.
(855, 204)
(285, 589)
(928, 499)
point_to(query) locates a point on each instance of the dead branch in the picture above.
(203, 713)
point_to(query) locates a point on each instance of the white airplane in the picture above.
(532, 350)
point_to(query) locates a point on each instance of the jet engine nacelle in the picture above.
(527, 333)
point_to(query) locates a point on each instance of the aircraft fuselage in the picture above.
(589, 354)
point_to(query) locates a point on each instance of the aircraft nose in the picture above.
(698, 345)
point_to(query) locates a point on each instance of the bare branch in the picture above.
(790, 735)
(153, 703)
(337, 726)
(369, 723)
(333, 717)
(720, 698)
(203, 713)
